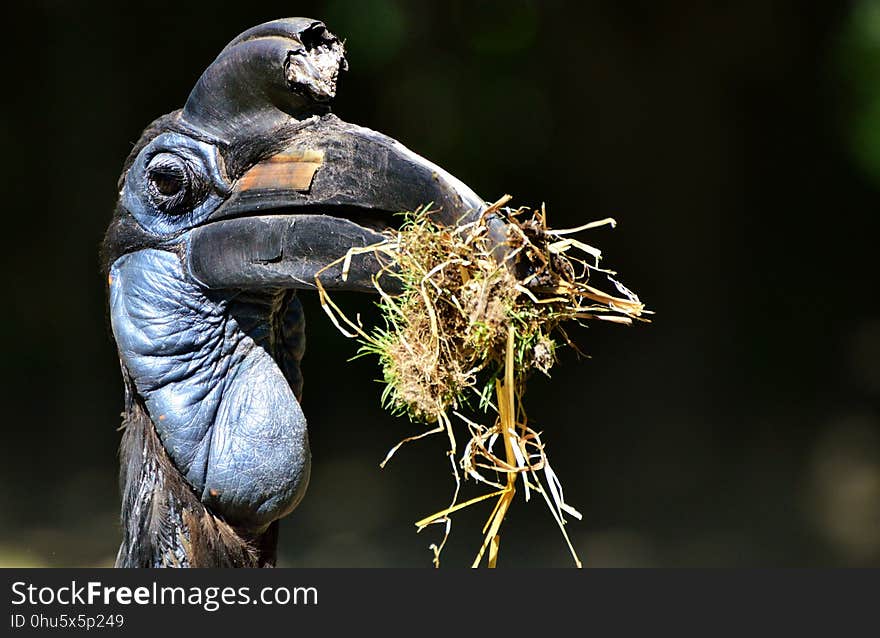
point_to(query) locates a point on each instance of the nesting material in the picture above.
(471, 323)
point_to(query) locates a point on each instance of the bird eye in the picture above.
(172, 184)
(168, 180)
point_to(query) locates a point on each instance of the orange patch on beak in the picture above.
(289, 170)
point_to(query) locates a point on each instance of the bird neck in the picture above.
(214, 431)
(163, 522)
(217, 373)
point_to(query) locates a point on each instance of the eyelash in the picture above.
(191, 189)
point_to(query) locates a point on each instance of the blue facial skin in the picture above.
(206, 184)
(215, 369)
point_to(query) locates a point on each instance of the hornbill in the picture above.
(227, 207)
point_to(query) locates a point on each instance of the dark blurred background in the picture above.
(738, 146)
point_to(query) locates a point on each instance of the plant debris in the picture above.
(465, 331)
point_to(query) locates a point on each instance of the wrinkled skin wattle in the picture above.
(219, 374)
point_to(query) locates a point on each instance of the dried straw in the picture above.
(468, 325)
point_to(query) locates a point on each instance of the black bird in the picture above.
(225, 208)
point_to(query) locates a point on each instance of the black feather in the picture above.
(163, 522)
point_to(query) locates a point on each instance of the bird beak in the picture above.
(335, 187)
(332, 187)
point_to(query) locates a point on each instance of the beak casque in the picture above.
(327, 187)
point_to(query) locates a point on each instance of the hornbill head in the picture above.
(226, 207)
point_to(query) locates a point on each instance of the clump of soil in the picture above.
(472, 321)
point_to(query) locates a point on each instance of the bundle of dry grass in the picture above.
(469, 326)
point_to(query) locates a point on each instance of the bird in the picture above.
(227, 207)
